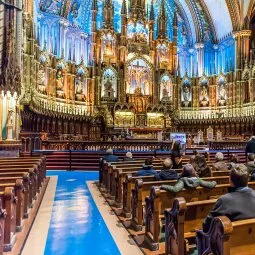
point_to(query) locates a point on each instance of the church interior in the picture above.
(127, 127)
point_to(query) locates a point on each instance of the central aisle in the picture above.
(76, 225)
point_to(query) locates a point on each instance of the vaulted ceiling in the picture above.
(206, 20)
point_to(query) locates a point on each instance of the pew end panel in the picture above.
(227, 238)
(174, 229)
(152, 226)
(10, 203)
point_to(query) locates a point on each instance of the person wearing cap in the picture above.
(188, 180)
(128, 157)
(167, 173)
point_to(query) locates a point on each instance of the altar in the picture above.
(145, 133)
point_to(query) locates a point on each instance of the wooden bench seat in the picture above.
(181, 223)
(130, 181)
(227, 238)
(159, 200)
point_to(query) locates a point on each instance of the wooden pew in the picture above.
(142, 190)
(25, 168)
(119, 184)
(112, 169)
(159, 200)
(227, 238)
(7, 172)
(18, 186)
(182, 221)
(120, 176)
(130, 181)
(9, 204)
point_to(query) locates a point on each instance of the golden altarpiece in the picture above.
(108, 81)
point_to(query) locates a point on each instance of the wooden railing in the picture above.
(227, 145)
(98, 145)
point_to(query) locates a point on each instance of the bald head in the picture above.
(167, 164)
(109, 152)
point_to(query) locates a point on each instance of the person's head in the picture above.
(219, 156)
(109, 152)
(129, 154)
(251, 156)
(234, 159)
(148, 162)
(195, 152)
(188, 171)
(239, 176)
(167, 164)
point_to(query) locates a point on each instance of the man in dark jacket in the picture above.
(110, 157)
(239, 203)
(251, 165)
(167, 173)
(250, 147)
(147, 169)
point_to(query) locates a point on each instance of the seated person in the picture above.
(220, 165)
(251, 165)
(233, 161)
(147, 169)
(110, 157)
(201, 167)
(128, 157)
(177, 161)
(167, 173)
(239, 203)
(188, 180)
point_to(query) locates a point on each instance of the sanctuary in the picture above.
(94, 67)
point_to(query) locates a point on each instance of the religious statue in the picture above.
(204, 94)
(108, 89)
(79, 88)
(222, 94)
(60, 83)
(186, 94)
(204, 99)
(42, 78)
(79, 85)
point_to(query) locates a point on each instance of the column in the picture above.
(18, 32)
(200, 58)
(216, 68)
(191, 52)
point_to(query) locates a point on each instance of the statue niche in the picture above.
(186, 95)
(42, 75)
(222, 94)
(60, 93)
(166, 89)
(109, 84)
(137, 32)
(80, 85)
(108, 47)
(204, 92)
(163, 55)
